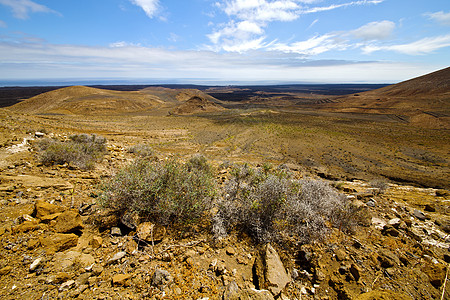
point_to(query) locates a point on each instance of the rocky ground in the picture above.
(58, 243)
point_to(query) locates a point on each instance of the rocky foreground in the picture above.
(58, 243)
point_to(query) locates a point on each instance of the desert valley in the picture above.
(379, 152)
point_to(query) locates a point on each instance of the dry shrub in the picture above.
(142, 150)
(81, 150)
(271, 206)
(167, 192)
(380, 186)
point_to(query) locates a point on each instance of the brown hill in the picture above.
(81, 100)
(86, 101)
(196, 104)
(422, 101)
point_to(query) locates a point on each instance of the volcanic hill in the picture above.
(81, 100)
(422, 101)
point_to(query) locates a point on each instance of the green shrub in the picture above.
(269, 205)
(166, 192)
(80, 150)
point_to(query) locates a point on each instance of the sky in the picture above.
(223, 41)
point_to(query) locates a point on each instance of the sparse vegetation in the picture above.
(168, 192)
(380, 186)
(272, 206)
(142, 150)
(81, 150)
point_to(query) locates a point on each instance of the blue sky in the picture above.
(224, 41)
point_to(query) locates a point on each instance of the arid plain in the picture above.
(398, 134)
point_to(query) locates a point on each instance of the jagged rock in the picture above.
(341, 255)
(130, 219)
(36, 263)
(96, 242)
(231, 292)
(390, 230)
(26, 227)
(115, 231)
(67, 286)
(444, 224)
(43, 208)
(270, 271)
(218, 267)
(388, 259)
(230, 251)
(68, 221)
(430, 208)
(64, 260)
(58, 242)
(254, 294)
(384, 295)
(355, 271)
(48, 218)
(419, 215)
(394, 222)
(378, 223)
(148, 232)
(161, 278)
(121, 279)
(58, 278)
(97, 270)
(118, 256)
(105, 219)
(436, 274)
(371, 203)
(5, 270)
(83, 278)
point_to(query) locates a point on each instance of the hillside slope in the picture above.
(422, 101)
(81, 100)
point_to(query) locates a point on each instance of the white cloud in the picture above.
(150, 7)
(25, 60)
(21, 8)
(3, 24)
(250, 18)
(440, 16)
(313, 46)
(375, 30)
(334, 6)
(420, 47)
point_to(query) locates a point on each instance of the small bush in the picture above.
(141, 150)
(80, 150)
(379, 185)
(271, 206)
(166, 192)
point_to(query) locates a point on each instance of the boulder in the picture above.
(58, 242)
(68, 221)
(43, 208)
(148, 232)
(270, 271)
